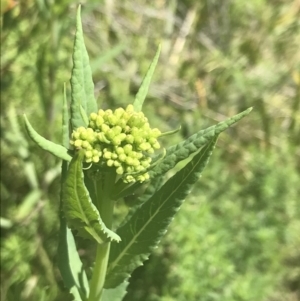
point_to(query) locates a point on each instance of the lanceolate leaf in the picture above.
(143, 90)
(51, 147)
(115, 294)
(70, 265)
(149, 222)
(80, 212)
(65, 120)
(69, 262)
(81, 79)
(185, 148)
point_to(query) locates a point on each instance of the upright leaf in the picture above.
(69, 263)
(184, 149)
(80, 212)
(81, 79)
(49, 146)
(65, 120)
(68, 260)
(148, 224)
(143, 90)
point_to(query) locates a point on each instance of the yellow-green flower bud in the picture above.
(78, 143)
(156, 145)
(101, 112)
(129, 108)
(119, 150)
(155, 133)
(129, 161)
(122, 157)
(144, 146)
(88, 154)
(114, 156)
(95, 159)
(119, 112)
(120, 170)
(104, 128)
(93, 116)
(110, 162)
(107, 155)
(129, 139)
(76, 135)
(99, 121)
(127, 148)
(112, 119)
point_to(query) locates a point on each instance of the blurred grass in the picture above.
(237, 237)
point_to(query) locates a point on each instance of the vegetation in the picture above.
(237, 235)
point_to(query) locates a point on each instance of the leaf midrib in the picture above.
(146, 224)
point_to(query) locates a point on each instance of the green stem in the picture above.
(105, 207)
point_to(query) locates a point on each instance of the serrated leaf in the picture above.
(81, 214)
(143, 90)
(115, 294)
(81, 80)
(68, 260)
(49, 146)
(185, 148)
(149, 222)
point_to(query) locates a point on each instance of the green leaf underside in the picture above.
(81, 79)
(143, 90)
(115, 294)
(80, 212)
(65, 120)
(70, 265)
(141, 234)
(68, 262)
(184, 149)
(49, 146)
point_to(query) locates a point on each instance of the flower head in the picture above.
(121, 139)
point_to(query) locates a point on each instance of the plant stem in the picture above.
(105, 207)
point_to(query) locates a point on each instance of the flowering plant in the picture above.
(108, 155)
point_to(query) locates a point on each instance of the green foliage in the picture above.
(148, 224)
(214, 63)
(55, 149)
(81, 79)
(81, 214)
(143, 90)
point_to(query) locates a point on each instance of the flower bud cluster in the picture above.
(121, 139)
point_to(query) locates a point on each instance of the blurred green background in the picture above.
(237, 237)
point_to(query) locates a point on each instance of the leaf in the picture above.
(184, 149)
(68, 260)
(70, 265)
(141, 234)
(65, 120)
(80, 212)
(115, 294)
(49, 146)
(81, 80)
(143, 90)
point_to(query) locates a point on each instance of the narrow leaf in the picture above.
(70, 265)
(49, 146)
(185, 148)
(143, 90)
(81, 80)
(80, 212)
(148, 224)
(115, 294)
(68, 261)
(65, 120)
